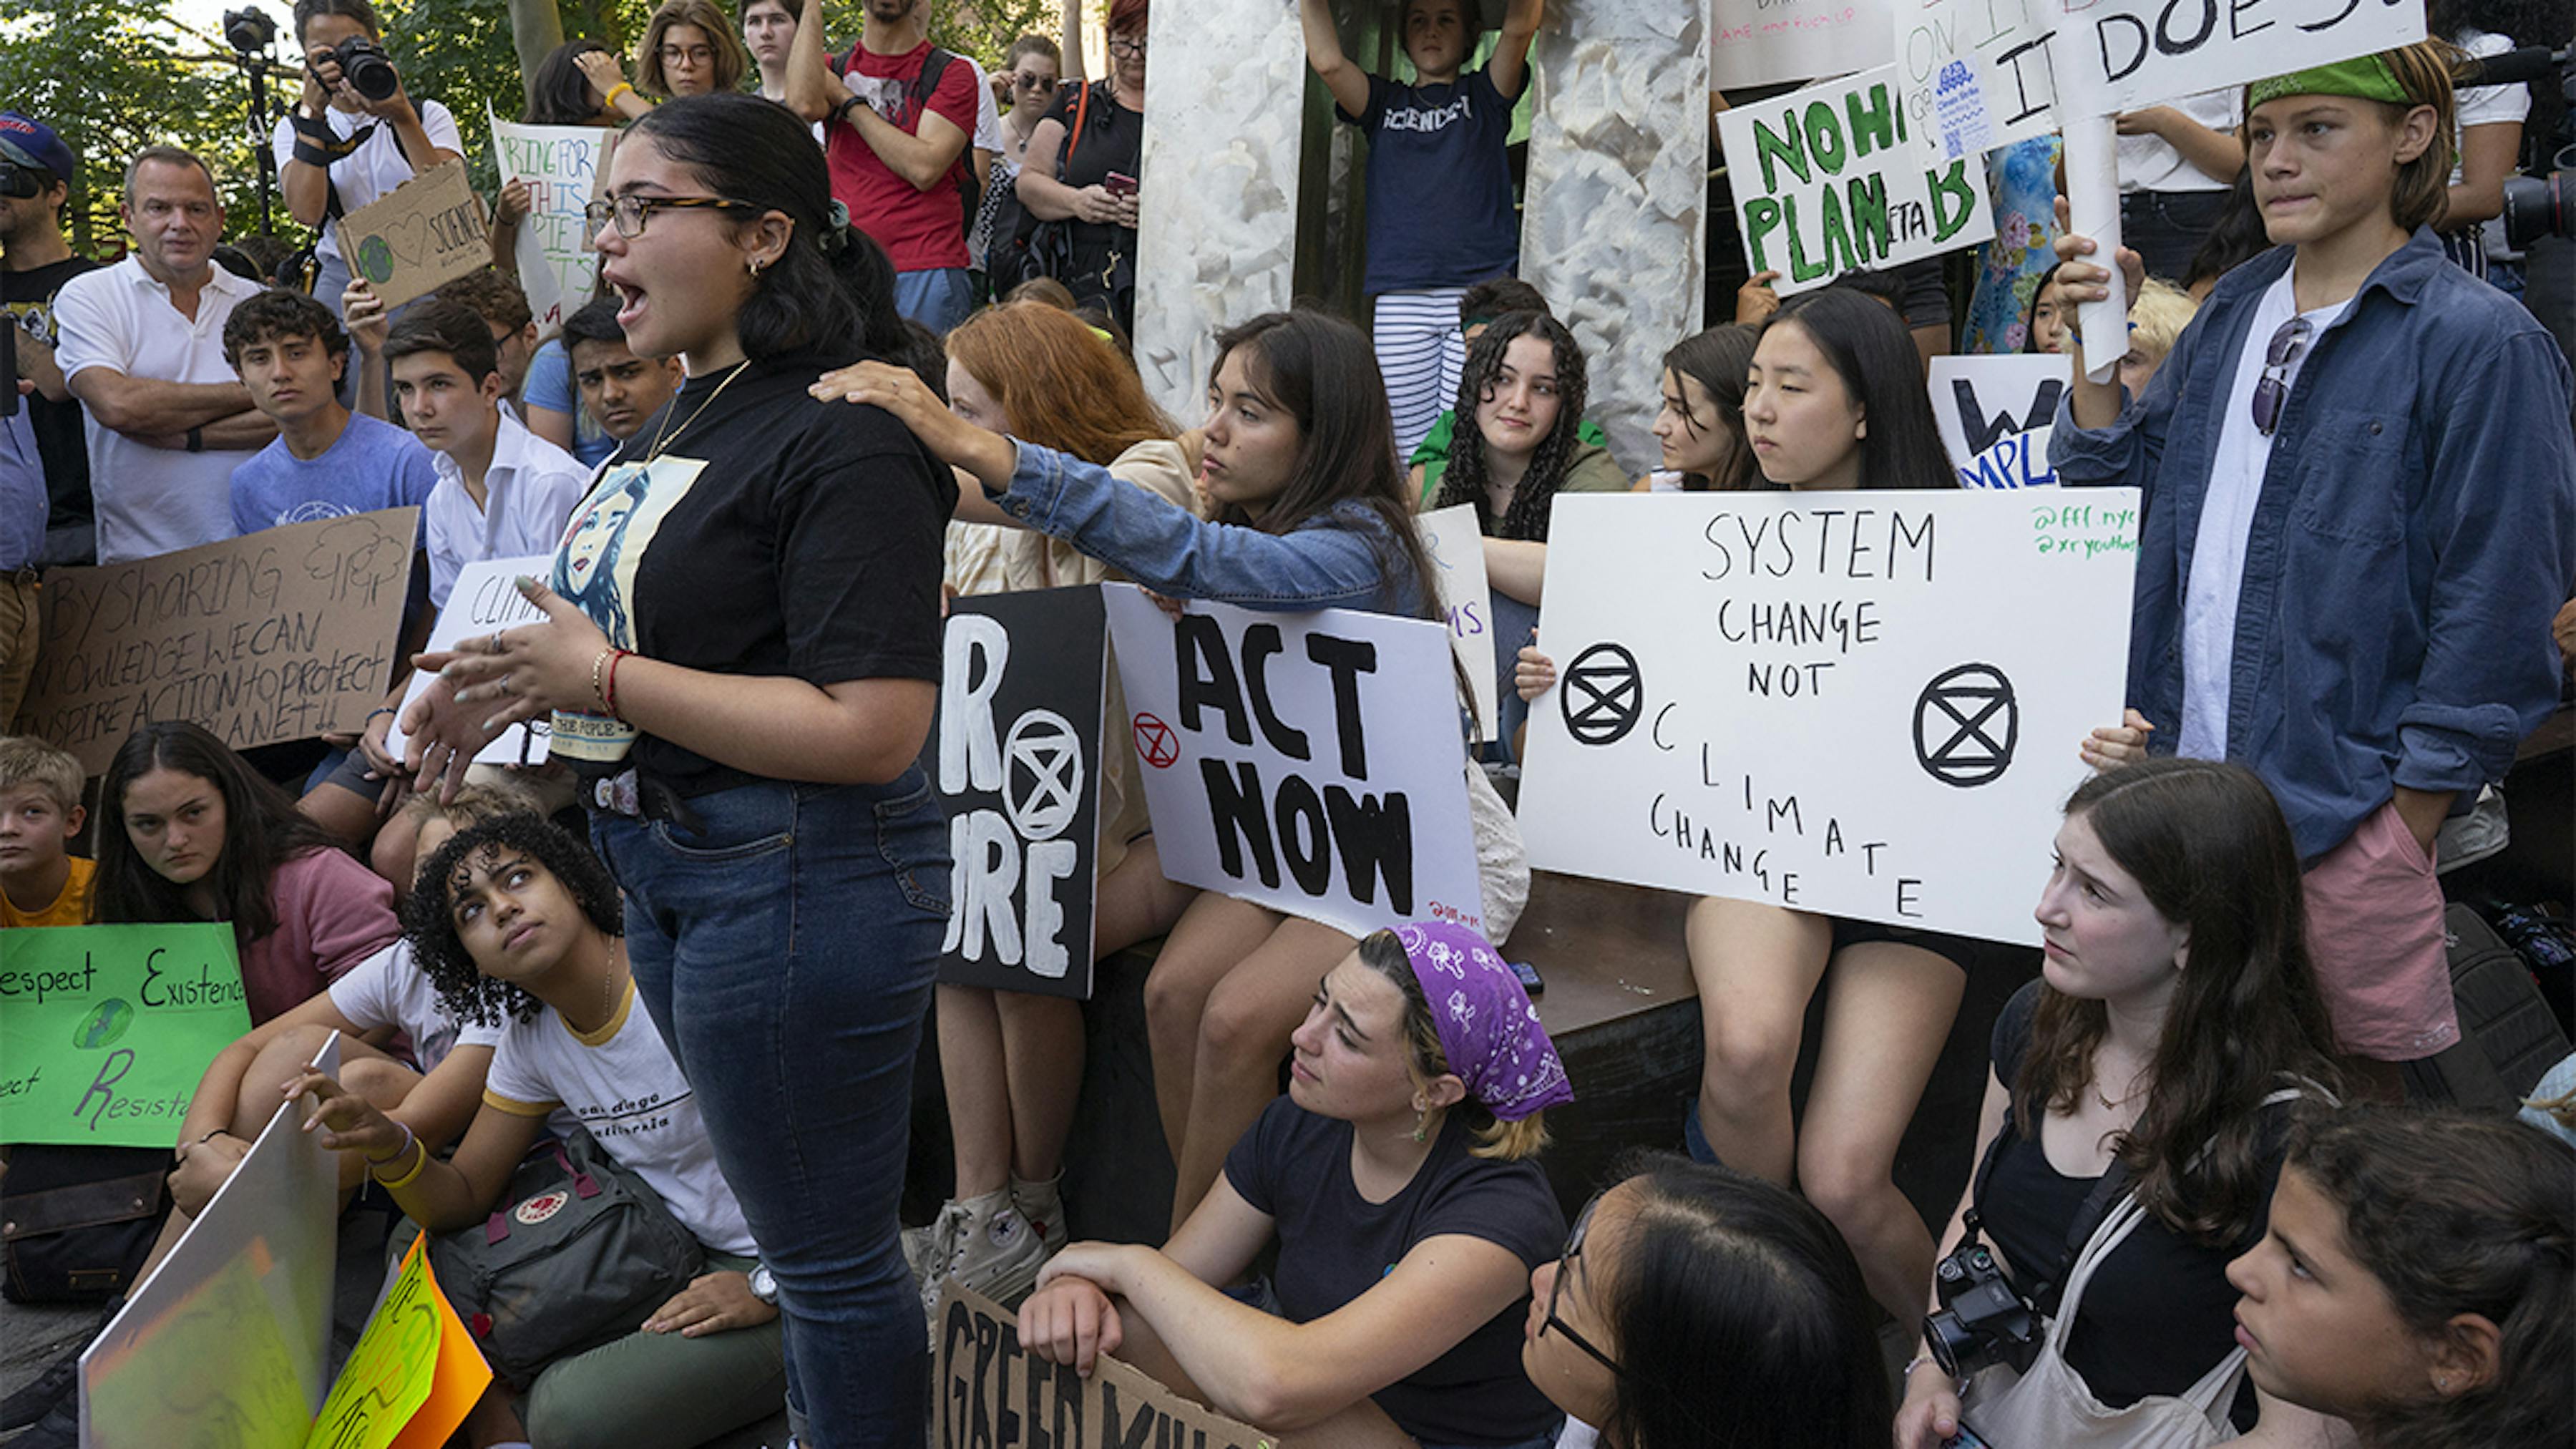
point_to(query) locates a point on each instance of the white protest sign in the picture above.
(1457, 549)
(1764, 42)
(1310, 763)
(2019, 461)
(564, 167)
(1859, 704)
(485, 600)
(2109, 56)
(225, 1342)
(1827, 181)
(1977, 401)
(1975, 72)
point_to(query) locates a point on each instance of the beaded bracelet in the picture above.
(596, 687)
(619, 89)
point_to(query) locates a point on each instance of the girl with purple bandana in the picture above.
(1397, 1177)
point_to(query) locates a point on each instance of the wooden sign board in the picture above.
(422, 235)
(987, 1390)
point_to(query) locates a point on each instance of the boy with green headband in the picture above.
(2361, 515)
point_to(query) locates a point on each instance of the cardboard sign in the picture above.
(1828, 180)
(414, 1374)
(1976, 74)
(565, 168)
(2109, 56)
(1304, 762)
(485, 600)
(988, 1391)
(226, 1341)
(1861, 704)
(421, 235)
(1978, 401)
(1015, 751)
(2019, 461)
(277, 635)
(1764, 42)
(106, 1030)
(1457, 549)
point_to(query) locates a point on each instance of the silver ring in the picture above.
(502, 687)
(496, 645)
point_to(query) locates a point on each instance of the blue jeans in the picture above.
(785, 948)
(2165, 227)
(937, 297)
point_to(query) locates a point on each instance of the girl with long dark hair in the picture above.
(2174, 1023)
(193, 833)
(741, 655)
(1310, 512)
(1700, 428)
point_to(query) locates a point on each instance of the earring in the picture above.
(754, 264)
(2441, 1383)
(1420, 1117)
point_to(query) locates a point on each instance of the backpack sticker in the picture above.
(541, 1207)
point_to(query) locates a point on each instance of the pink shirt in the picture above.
(332, 913)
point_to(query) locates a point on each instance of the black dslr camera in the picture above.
(249, 30)
(1982, 1320)
(363, 62)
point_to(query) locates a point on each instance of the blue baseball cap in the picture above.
(32, 143)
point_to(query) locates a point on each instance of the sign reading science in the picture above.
(1311, 763)
(1860, 704)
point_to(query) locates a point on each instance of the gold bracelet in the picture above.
(598, 688)
(404, 1181)
(609, 102)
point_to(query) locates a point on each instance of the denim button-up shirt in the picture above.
(1341, 559)
(2415, 532)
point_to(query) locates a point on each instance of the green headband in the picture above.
(2366, 77)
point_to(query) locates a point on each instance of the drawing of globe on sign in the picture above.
(375, 259)
(1966, 723)
(1602, 695)
(1044, 790)
(103, 1025)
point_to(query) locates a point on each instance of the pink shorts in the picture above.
(2375, 934)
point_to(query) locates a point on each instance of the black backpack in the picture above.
(916, 98)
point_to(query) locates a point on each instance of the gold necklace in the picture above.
(669, 434)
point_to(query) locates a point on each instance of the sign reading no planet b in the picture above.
(277, 635)
(1015, 752)
(1859, 704)
(1828, 181)
(105, 1030)
(1310, 763)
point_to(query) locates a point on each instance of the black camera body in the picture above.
(364, 64)
(249, 30)
(1981, 1320)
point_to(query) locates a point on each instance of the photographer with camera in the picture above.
(355, 134)
(2133, 1130)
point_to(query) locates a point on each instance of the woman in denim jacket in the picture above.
(2360, 517)
(1311, 511)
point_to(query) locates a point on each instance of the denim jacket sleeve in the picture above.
(2503, 520)
(2128, 451)
(1166, 549)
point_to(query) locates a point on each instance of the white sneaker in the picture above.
(997, 1252)
(1041, 1206)
(927, 1250)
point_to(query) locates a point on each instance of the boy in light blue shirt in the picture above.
(326, 461)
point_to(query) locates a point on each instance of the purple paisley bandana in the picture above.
(1488, 1029)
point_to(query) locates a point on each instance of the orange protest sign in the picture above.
(413, 1375)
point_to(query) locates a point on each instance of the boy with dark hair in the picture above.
(620, 391)
(41, 882)
(502, 490)
(497, 298)
(325, 461)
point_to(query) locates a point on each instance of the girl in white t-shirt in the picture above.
(517, 925)
(2488, 136)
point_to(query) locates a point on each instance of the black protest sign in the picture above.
(1015, 753)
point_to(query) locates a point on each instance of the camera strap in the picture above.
(2107, 1191)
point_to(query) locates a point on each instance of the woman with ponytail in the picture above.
(740, 654)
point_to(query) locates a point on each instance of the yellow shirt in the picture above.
(71, 908)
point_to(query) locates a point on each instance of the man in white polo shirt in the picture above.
(143, 349)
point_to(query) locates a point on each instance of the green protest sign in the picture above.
(105, 1030)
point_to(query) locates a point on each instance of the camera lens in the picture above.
(2535, 207)
(368, 72)
(1952, 1342)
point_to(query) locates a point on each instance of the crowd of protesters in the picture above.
(859, 347)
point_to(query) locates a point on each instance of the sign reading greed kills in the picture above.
(563, 167)
(1016, 754)
(277, 635)
(1304, 762)
(1764, 42)
(418, 237)
(1828, 181)
(991, 1391)
(1457, 549)
(484, 600)
(104, 1030)
(2110, 56)
(1860, 704)
(1978, 402)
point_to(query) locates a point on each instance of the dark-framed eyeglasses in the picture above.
(1556, 1290)
(692, 55)
(1127, 47)
(631, 211)
(2273, 391)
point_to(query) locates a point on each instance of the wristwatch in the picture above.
(764, 1286)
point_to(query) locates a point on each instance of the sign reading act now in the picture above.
(105, 1030)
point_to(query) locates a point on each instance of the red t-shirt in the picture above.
(920, 230)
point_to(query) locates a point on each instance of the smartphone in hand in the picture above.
(1119, 184)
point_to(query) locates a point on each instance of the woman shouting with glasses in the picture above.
(1397, 1177)
(2360, 516)
(740, 655)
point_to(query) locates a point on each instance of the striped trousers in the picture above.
(1421, 352)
